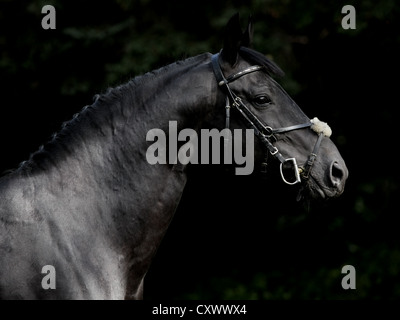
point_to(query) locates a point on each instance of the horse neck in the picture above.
(98, 161)
(183, 93)
(109, 137)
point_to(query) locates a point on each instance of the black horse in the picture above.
(90, 208)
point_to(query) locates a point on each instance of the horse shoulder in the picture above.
(17, 201)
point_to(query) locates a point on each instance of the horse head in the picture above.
(302, 147)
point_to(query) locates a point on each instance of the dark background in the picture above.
(233, 237)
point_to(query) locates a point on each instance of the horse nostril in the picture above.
(337, 174)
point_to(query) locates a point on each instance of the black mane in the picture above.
(98, 115)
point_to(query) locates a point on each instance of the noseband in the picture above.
(262, 131)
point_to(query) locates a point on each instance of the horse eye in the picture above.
(262, 100)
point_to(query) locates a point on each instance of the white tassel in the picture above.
(321, 127)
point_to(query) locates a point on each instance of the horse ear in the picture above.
(232, 40)
(247, 38)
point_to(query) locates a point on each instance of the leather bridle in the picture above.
(262, 131)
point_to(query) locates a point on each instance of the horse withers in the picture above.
(88, 211)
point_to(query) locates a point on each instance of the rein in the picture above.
(262, 131)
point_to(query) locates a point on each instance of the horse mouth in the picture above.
(314, 190)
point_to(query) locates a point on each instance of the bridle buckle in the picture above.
(274, 151)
